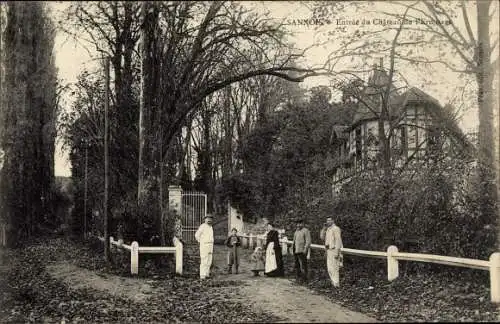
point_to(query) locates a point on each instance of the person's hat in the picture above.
(209, 216)
(329, 219)
(299, 220)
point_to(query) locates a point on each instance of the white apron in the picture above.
(271, 264)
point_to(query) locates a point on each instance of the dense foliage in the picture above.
(467, 46)
(27, 119)
(410, 209)
(190, 53)
(287, 174)
(286, 162)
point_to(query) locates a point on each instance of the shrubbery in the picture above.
(431, 210)
(427, 206)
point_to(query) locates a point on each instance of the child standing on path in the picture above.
(233, 242)
(258, 260)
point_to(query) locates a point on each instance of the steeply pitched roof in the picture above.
(376, 87)
(398, 103)
(377, 84)
(415, 95)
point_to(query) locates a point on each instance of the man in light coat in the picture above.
(333, 244)
(205, 237)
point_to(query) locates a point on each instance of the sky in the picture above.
(72, 58)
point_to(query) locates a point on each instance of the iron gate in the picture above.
(193, 211)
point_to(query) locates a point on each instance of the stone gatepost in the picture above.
(175, 204)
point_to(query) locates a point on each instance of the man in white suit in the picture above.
(205, 237)
(333, 244)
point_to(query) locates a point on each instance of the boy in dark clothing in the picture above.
(233, 242)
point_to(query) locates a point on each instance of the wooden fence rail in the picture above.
(392, 255)
(135, 250)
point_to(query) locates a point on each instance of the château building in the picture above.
(414, 122)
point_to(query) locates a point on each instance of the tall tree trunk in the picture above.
(160, 185)
(185, 157)
(488, 190)
(146, 101)
(206, 160)
(107, 255)
(227, 152)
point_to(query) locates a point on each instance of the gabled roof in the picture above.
(398, 104)
(415, 95)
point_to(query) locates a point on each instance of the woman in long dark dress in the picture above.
(274, 257)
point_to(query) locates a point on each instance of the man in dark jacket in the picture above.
(301, 245)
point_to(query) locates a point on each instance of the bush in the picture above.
(433, 211)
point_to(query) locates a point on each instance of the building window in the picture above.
(433, 139)
(358, 142)
(404, 141)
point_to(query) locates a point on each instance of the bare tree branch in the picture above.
(443, 29)
(467, 24)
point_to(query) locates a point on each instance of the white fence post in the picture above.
(178, 255)
(392, 263)
(495, 277)
(284, 246)
(134, 258)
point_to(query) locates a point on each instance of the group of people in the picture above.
(269, 258)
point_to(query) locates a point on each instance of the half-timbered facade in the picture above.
(416, 126)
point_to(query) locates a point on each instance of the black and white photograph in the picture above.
(249, 161)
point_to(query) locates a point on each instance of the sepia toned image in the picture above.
(249, 161)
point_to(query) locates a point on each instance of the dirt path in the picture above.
(278, 296)
(79, 278)
(283, 298)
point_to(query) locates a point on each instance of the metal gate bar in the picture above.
(193, 211)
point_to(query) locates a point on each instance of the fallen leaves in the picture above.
(29, 294)
(446, 294)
